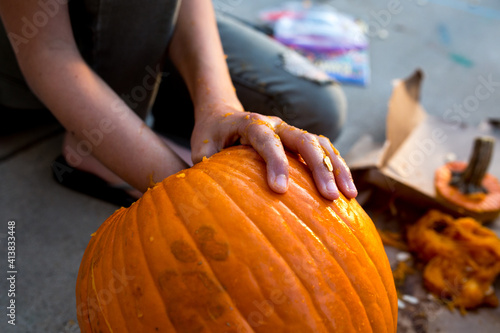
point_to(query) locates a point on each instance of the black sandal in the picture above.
(90, 184)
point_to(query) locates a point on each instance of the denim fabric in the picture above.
(263, 83)
(14, 92)
(125, 43)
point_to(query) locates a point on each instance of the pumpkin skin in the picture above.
(213, 249)
(483, 207)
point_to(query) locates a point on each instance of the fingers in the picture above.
(258, 131)
(311, 150)
(329, 170)
(212, 135)
(267, 135)
(202, 148)
(341, 171)
(205, 150)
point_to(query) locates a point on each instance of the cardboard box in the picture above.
(416, 145)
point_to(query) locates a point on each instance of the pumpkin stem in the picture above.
(470, 180)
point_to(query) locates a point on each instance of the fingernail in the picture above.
(331, 187)
(281, 182)
(349, 186)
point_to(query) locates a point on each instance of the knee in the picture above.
(331, 106)
(319, 109)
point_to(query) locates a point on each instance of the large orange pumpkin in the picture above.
(213, 249)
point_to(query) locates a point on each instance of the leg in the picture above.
(173, 109)
(124, 43)
(273, 80)
(269, 79)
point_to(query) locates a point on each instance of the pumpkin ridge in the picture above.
(82, 286)
(380, 267)
(375, 263)
(83, 283)
(203, 170)
(379, 280)
(123, 248)
(261, 291)
(300, 221)
(117, 243)
(305, 185)
(270, 244)
(144, 256)
(97, 297)
(154, 198)
(101, 241)
(256, 188)
(210, 269)
(183, 223)
(333, 258)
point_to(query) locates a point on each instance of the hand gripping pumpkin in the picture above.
(213, 249)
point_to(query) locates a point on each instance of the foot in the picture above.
(91, 165)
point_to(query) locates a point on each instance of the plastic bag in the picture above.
(334, 41)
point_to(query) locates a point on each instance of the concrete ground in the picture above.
(454, 42)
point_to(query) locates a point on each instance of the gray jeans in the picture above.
(125, 42)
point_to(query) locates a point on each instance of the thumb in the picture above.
(204, 149)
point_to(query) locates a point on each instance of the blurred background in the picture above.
(452, 41)
(455, 44)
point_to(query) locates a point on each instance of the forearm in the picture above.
(83, 103)
(99, 120)
(196, 51)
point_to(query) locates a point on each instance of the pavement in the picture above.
(454, 42)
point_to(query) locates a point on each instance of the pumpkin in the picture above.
(467, 188)
(213, 249)
(461, 257)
